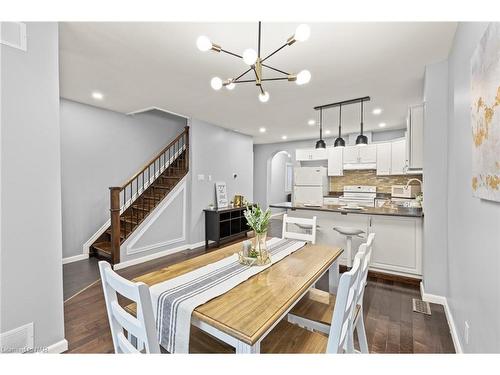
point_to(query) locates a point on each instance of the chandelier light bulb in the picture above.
(203, 43)
(216, 83)
(230, 86)
(303, 77)
(302, 33)
(264, 97)
(249, 56)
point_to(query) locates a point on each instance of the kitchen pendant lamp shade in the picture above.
(362, 140)
(339, 142)
(320, 144)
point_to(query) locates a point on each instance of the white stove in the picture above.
(362, 195)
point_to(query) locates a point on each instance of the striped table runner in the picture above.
(174, 300)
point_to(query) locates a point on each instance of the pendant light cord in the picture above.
(321, 123)
(361, 117)
(340, 121)
(258, 53)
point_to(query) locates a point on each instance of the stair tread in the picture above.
(104, 246)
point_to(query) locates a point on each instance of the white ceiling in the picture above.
(140, 65)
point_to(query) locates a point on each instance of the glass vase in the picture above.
(260, 249)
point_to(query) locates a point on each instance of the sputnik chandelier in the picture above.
(256, 63)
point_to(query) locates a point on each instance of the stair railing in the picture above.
(122, 197)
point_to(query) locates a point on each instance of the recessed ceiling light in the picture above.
(382, 125)
(311, 122)
(284, 137)
(377, 111)
(327, 132)
(97, 95)
(262, 130)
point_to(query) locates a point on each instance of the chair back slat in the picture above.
(309, 223)
(344, 306)
(365, 248)
(141, 327)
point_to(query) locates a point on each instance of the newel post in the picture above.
(186, 129)
(115, 223)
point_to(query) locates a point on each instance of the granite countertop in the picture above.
(398, 211)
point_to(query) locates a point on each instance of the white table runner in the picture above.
(174, 300)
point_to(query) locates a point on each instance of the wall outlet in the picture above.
(209, 177)
(466, 332)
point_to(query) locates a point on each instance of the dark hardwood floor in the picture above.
(391, 324)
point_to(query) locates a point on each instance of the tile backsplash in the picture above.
(369, 177)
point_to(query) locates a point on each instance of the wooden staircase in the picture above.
(131, 203)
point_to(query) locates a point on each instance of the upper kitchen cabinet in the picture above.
(384, 151)
(415, 138)
(360, 157)
(398, 157)
(310, 154)
(335, 161)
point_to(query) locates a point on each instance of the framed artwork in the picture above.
(485, 115)
(221, 195)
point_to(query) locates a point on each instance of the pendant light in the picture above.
(320, 143)
(361, 140)
(339, 142)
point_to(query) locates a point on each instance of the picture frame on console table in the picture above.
(221, 195)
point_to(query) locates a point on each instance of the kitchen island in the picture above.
(398, 242)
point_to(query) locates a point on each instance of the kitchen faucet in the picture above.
(413, 179)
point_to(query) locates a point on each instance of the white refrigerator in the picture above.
(310, 185)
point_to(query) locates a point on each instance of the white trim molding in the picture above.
(151, 219)
(58, 347)
(441, 300)
(157, 255)
(75, 258)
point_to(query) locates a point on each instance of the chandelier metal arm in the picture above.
(264, 79)
(242, 74)
(276, 70)
(231, 53)
(276, 51)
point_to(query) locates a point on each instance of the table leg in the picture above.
(243, 348)
(333, 277)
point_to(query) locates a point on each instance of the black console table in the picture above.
(225, 224)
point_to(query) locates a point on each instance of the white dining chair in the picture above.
(315, 309)
(302, 223)
(141, 330)
(359, 324)
(290, 338)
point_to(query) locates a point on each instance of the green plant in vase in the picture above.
(258, 220)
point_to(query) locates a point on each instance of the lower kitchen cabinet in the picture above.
(398, 244)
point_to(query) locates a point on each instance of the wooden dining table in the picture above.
(243, 316)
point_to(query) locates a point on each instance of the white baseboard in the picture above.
(58, 347)
(441, 300)
(75, 258)
(157, 255)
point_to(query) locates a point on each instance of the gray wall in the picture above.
(31, 250)
(99, 149)
(264, 152)
(473, 224)
(220, 153)
(435, 271)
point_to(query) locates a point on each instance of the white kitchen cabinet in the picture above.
(367, 154)
(351, 155)
(398, 157)
(310, 154)
(398, 244)
(384, 152)
(415, 137)
(335, 161)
